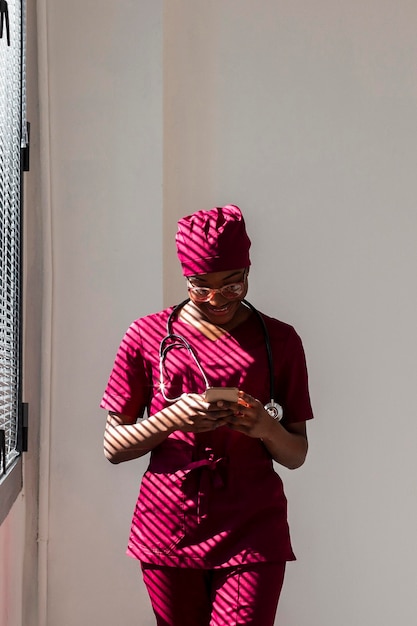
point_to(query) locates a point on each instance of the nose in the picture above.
(216, 298)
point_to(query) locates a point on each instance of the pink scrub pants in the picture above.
(233, 596)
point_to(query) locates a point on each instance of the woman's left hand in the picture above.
(287, 445)
(250, 417)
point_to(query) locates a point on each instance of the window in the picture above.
(13, 149)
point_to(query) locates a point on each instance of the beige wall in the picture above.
(105, 113)
(11, 565)
(304, 115)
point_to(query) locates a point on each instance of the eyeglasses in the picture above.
(230, 292)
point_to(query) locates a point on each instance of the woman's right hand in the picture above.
(191, 413)
(124, 440)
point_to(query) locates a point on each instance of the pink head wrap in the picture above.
(213, 241)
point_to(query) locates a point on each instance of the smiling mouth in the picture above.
(219, 309)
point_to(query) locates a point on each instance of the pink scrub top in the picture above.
(209, 500)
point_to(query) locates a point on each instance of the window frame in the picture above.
(11, 482)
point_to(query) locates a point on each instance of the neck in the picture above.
(194, 316)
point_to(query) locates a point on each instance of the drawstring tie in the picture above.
(207, 479)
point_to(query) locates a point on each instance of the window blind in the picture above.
(11, 140)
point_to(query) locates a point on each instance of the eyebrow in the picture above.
(203, 280)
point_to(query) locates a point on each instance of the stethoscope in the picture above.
(174, 341)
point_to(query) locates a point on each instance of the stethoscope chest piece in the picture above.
(275, 410)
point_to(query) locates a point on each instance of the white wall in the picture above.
(303, 114)
(105, 114)
(11, 552)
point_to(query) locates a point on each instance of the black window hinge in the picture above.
(25, 150)
(3, 450)
(23, 431)
(4, 19)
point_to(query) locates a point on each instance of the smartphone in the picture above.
(213, 394)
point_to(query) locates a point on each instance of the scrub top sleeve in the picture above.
(127, 390)
(294, 385)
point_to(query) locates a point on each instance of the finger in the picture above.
(237, 419)
(219, 415)
(246, 400)
(224, 405)
(239, 427)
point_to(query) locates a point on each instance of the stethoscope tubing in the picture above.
(180, 342)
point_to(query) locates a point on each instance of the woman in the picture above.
(210, 525)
